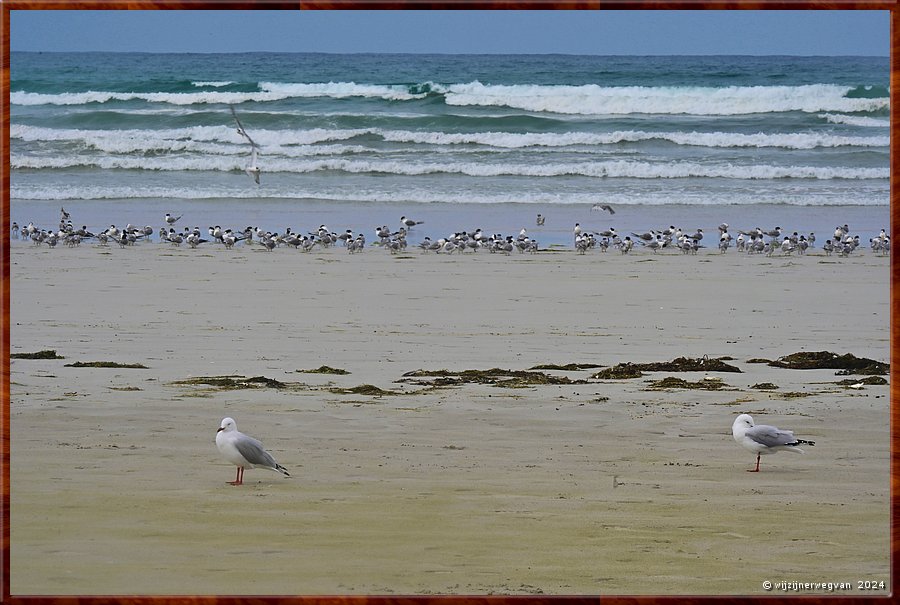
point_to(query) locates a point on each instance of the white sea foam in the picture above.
(340, 90)
(212, 84)
(833, 118)
(278, 141)
(580, 100)
(603, 169)
(597, 100)
(405, 195)
(181, 138)
(702, 139)
(269, 91)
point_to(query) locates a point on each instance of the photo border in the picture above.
(9, 5)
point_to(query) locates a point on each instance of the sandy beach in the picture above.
(592, 487)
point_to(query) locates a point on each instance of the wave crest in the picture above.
(587, 99)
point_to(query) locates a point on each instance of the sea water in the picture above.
(457, 141)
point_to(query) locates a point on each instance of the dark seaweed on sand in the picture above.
(870, 380)
(106, 364)
(325, 370)
(671, 382)
(363, 389)
(619, 371)
(234, 382)
(45, 354)
(569, 367)
(826, 360)
(690, 364)
(494, 376)
(680, 364)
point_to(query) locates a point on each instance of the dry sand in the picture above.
(599, 488)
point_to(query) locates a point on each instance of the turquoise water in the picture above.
(499, 138)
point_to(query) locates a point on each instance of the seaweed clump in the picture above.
(45, 354)
(870, 380)
(765, 386)
(234, 382)
(690, 364)
(325, 370)
(363, 389)
(671, 382)
(569, 367)
(826, 360)
(679, 364)
(619, 371)
(494, 376)
(106, 364)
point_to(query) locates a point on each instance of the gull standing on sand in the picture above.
(171, 220)
(244, 451)
(764, 439)
(252, 169)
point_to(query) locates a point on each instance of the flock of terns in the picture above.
(754, 241)
(245, 452)
(389, 239)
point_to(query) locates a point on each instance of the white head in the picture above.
(740, 426)
(227, 424)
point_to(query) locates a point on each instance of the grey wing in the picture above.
(253, 451)
(234, 113)
(770, 436)
(241, 130)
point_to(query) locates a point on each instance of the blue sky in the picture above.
(571, 32)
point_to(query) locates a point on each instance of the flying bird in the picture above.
(252, 169)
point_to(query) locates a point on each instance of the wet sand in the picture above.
(607, 487)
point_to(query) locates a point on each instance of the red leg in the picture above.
(239, 477)
(754, 470)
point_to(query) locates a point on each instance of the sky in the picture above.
(569, 32)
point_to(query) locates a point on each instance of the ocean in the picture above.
(457, 141)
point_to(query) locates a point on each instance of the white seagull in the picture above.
(244, 451)
(764, 439)
(252, 169)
